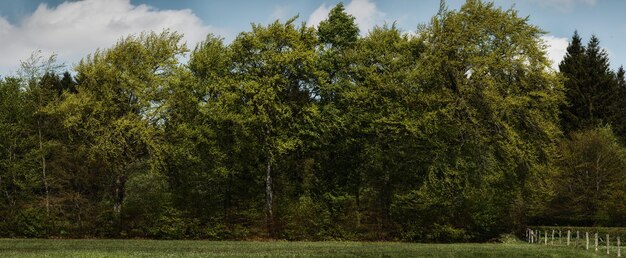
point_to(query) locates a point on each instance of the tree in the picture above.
(377, 107)
(67, 84)
(18, 174)
(573, 65)
(339, 30)
(269, 94)
(589, 187)
(335, 151)
(116, 115)
(209, 158)
(38, 76)
(295, 132)
(337, 35)
(617, 112)
(589, 85)
(488, 125)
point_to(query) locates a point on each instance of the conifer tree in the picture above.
(572, 67)
(589, 85)
(618, 106)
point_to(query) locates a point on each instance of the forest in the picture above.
(459, 132)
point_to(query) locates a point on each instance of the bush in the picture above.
(147, 209)
(305, 219)
(30, 222)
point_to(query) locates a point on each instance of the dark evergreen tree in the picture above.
(68, 83)
(589, 85)
(618, 106)
(621, 82)
(573, 68)
(601, 83)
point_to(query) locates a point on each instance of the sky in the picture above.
(72, 29)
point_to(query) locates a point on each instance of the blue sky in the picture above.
(73, 29)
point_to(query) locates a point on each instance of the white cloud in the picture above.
(75, 29)
(279, 12)
(565, 5)
(556, 48)
(318, 15)
(365, 12)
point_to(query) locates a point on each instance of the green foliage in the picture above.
(489, 120)
(450, 134)
(30, 223)
(339, 31)
(147, 207)
(305, 219)
(589, 188)
(593, 92)
(15, 181)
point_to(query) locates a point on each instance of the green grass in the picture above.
(157, 248)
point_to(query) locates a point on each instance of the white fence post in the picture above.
(560, 238)
(552, 241)
(577, 236)
(587, 239)
(607, 243)
(619, 252)
(545, 239)
(538, 236)
(568, 235)
(596, 241)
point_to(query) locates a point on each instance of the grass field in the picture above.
(156, 248)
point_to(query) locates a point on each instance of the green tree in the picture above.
(67, 83)
(269, 94)
(589, 85)
(209, 157)
(378, 108)
(488, 125)
(338, 31)
(335, 150)
(18, 175)
(589, 186)
(116, 115)
(40, 81)
(617, 112)
(337, 35)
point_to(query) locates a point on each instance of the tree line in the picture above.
(460, 132)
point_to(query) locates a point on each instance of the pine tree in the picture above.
(572, 67)
(68, 83)
(600, 81)
(589, 85)
(618, 106)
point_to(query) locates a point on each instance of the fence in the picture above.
(600, 240)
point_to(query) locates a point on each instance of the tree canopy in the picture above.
(458, 132)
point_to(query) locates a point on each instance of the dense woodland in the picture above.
(458, 132)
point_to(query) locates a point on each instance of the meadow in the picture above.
(186, 248)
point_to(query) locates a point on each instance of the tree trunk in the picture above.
(269, 216)
(78, 211)
(119, 194)
(43, 169)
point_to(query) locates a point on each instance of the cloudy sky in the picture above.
(73, 29)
